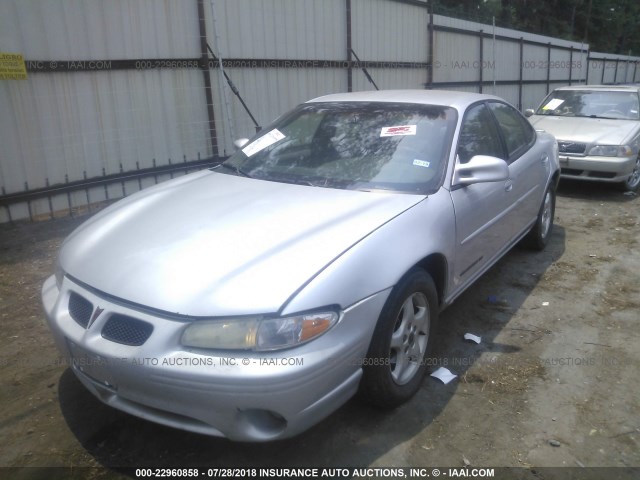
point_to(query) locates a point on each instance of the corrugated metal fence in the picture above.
(122, 94)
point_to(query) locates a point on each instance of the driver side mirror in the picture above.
(241, 142)
(480, 169)
(528, 112)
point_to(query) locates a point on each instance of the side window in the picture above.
(478, 135)
(518, 133)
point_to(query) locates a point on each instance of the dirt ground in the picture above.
(558, 363)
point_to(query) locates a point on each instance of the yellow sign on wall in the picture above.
(12, 67)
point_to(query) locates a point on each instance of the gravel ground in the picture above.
(554, 381)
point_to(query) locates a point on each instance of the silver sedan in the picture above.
(253, 299)
(598, 131)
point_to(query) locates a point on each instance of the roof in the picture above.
(604, 88)
(450, 98)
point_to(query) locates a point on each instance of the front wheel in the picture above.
(397, 357)
(538, 237)
(632, 182)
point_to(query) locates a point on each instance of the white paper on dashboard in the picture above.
(553, 104)
(263, 142)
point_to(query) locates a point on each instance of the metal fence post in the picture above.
(207, 78)
(349, 47)
(481, 37)
(430, 36)
(549, 67)
(570, 64)
(521, 73)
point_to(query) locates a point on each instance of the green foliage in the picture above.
(609, 26)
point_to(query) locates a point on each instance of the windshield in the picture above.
(590, 103)
(360, 146)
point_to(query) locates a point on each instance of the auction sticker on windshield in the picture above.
(399, 130)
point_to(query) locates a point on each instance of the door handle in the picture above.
(508, 186)
(544, 159)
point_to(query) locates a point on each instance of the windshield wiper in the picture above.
(292, 181)
(605, 117)
(235, 169)
(297, 181)
(324, 184)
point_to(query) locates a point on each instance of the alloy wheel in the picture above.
(409, 338)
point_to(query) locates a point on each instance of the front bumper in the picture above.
(245, 396)
(602, 169)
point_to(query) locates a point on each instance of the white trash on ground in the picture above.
(444, 375)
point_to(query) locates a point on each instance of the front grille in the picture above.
(80, 309)
(571, 171)
(602, 174)
(570, 147)
(127, 330)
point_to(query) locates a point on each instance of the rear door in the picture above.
(528, 166)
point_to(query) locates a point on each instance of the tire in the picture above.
(538, 236)
(632, 183)
(397, 357)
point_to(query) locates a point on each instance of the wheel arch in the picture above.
(436, 265)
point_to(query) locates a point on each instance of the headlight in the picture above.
(611, 151)
(234, 334)
(256, 333)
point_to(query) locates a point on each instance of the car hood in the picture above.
(587, 130)
(211, 244)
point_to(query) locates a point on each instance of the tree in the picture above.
(609, 26)
(614, 26)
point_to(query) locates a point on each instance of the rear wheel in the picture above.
(396, 361)
(538, 237)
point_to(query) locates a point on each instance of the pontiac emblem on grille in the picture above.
(95, 316)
